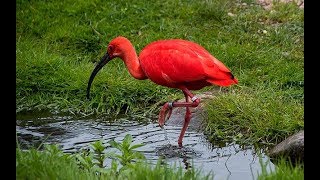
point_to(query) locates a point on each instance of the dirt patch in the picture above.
(267, 4)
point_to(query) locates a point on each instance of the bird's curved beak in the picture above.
(105, 59)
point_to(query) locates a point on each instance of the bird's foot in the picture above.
(165, 113)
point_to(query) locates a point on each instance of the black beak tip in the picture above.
(105, 59)
(88, 95)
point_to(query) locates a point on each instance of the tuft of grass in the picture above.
(51, 163)
(283, 170)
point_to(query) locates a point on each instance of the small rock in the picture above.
(285, 54)
(291, 148)
(231, 14)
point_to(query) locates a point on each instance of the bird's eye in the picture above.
(110, 48)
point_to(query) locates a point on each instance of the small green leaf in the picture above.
(127, 139)
(114, 144)
(136, 146)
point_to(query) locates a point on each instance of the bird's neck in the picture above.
(132, 62)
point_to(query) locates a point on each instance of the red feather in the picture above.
(179, 62)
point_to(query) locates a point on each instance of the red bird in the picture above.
(173, 63)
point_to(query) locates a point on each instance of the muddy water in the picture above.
(229, 162)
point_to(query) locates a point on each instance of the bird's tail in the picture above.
(227, 81)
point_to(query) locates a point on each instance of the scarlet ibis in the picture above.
(174, 63)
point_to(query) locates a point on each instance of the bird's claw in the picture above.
(164, 114)
(169, 112)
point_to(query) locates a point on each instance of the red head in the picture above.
(116, 48)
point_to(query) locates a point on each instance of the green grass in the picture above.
(250, 116)
(284, 170)
(58, 43)
(49, 164)
(268, 104)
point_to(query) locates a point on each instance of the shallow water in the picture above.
(229, 162)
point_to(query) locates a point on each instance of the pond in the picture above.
(231, 161)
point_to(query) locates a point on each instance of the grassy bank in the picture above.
(266, 51)
(58, 43)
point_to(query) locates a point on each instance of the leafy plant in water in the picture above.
(94, 160)
(98, 153)
(128, 152)
(85, 159)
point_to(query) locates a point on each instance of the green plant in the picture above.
(128, 152)
(95, 157)
(99, 156)
(50, 163)
(284, 170)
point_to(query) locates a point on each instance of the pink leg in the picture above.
(187, 118)
(167, 108)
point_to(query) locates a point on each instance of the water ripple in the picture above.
(229, 162)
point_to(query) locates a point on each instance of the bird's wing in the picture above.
(207, 59)
(172, 61)
(179, 60)
(216, 72)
